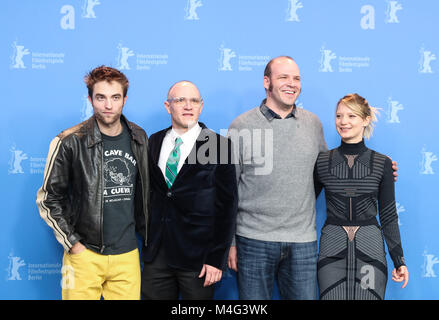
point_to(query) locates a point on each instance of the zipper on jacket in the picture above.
(144, 206)
(102, 198)
(135, 151)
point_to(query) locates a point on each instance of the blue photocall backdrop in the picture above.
(384, 50)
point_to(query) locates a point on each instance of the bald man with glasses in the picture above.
(193, 203)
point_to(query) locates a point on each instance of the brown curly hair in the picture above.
(104, 73)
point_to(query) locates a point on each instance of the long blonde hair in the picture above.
(361, 108)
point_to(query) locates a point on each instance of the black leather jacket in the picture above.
(71, 198)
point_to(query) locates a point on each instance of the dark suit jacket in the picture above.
(196, 217)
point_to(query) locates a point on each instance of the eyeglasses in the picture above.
(182, 101)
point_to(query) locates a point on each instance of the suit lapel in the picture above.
(156, 145)
(192, 158)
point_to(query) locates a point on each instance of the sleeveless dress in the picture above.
(358, 183)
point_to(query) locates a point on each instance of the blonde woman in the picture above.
(359, 186)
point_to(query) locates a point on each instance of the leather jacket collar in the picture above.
(94, 134)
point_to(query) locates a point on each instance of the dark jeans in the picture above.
(293, 265)
(162, 282)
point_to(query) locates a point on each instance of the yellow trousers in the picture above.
(90, 276)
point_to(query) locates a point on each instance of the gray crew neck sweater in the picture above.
(275, 175)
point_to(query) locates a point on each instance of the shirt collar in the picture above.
(189, 136)
(270, 114)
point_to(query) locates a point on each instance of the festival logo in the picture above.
(36, 164)
(18, 269)
(325, 59)
(392, 8)
(245, 62)
(293, 6)
(19, 51)
(88, 9)
(393, 107)
(15, 263)
(328, 59)
(367, 21)
(430, 260)
(68, 11)
(122, 57)
(191, 7)
(40, 60)
(17, 156)
(428, 158)
(144, 61)
(426, 57)
(226, 54)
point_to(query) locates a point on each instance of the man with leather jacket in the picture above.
(95, 192)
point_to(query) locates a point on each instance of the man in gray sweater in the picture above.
(276, 145)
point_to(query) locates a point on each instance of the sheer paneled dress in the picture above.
(358, 184)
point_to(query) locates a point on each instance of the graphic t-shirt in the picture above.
(120, 173)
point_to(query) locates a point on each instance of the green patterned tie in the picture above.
(172, 163)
